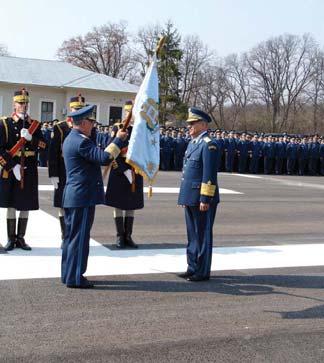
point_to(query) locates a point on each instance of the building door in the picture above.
(47, 111)
(115, 114)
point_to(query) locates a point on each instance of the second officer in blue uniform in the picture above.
(199, 196)
(83, 191)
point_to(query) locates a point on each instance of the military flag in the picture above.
(144, 145)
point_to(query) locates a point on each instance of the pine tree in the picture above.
(169, 74)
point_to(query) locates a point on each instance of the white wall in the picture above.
(61, 98)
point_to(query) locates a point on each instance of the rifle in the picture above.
(22, 159)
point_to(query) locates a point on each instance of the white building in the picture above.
(51, 84)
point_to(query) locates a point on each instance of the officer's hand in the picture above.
(25, 134)
(122, 134)
(55, 181)
(203, 207)
(16, 171)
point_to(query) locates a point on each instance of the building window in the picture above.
(115, 114)
(47, 109)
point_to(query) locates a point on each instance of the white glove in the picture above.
(55, 181)
(16, 171)
(25, 134)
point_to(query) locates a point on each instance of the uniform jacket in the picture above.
(199, 175)
(84, 185)
(119, 192)
(11, 195)
(56, 166)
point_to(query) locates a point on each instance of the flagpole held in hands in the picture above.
(125, 123)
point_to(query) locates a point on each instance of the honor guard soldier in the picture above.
(56, 167)
(83, 191)
(124, 193)
(20, 139)
(199, 196)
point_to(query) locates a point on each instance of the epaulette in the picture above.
(60, 122)
(4, 118)
(207, 139)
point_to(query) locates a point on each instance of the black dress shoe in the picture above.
(185, 275)
(196, 278)
(83, 286)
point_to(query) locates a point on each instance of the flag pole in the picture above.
(158, 49)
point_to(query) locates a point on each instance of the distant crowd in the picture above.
(241, 152)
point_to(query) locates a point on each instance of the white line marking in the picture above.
(243, 175)
(157, 190)
(44, 260)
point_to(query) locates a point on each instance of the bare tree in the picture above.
(145, 44)
(280, 70)
(314, 93)
(212, 92)
(105, 50)
(239, 88)
(195, 56)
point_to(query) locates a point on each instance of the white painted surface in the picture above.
(156, 190)
(43, 234)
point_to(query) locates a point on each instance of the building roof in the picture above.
(53, 73)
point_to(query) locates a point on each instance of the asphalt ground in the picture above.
(262, 315)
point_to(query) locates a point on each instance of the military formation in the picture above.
(74, 150)
(245, 152)
(240, 152)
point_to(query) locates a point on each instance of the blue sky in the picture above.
(36, 28)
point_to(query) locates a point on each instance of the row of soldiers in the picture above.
(238, 151)
(250, 153)
(25, 143)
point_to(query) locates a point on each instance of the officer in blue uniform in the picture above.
(199, 196)
(314, 155)
(291, 151)
(322, 157)
(302, 156)
(256, 154)
(43, 153)
(280, 154)
(243, 153)
(268, 155)
(83, 191)
(230, 150)
(124, 192)
(18, 173)
(56, 167)
(180, 146)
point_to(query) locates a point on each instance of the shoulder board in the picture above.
(207, 139)
(4, 118)
(60, 122)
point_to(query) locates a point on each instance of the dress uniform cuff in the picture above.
(208, 189)
(114, 148)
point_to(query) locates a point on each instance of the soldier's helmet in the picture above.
(21, 96)
(77, 102)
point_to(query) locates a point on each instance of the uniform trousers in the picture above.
(200, 239)
(75, 252)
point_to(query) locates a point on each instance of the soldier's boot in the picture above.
(62, 224)
(119, 222)
(129, 221)
(11, 231)
(20, 241)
